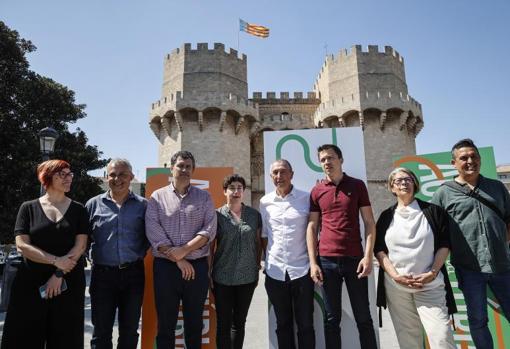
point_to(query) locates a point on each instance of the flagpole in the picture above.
(238, 31)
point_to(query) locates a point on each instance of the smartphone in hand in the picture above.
(42, 289)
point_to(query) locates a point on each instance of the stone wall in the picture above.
(283, 113)
(211, 147)
(204, 108)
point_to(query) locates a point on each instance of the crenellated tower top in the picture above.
(205, 70)
(204, 107)
(357, 71)
(358, 80)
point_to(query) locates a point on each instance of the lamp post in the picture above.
(47, 138)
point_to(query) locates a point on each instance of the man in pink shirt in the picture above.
(180, 222)
(335, 205)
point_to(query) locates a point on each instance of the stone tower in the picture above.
(285, 112)
(369, 89)
(204, 108)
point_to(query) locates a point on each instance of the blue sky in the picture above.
(111, 54)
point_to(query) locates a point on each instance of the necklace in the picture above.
(236, 215)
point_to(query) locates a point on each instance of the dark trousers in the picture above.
(292, 300)
(335, 270)
(111, 289)
(169, 290)
(232, 304)
(474, 287)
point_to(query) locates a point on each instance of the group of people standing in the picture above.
(308, 239)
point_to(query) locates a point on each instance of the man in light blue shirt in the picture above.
(119, 245)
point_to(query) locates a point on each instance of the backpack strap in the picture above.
(464, 189)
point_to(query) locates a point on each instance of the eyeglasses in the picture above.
(64, 175)
(400, 181)
(234, 189)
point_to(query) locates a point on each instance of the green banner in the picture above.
(432, 170)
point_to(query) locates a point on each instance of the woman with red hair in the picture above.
(46, 308)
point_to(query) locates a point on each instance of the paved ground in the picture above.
(257, 329)
(256, 326)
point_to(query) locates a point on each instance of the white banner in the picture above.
(299, 147)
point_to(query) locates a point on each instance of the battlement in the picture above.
(372, 66)
(357, 50)
(203, 48)
(284, 96)
(371, 50)
(374, 97)
(212, 99)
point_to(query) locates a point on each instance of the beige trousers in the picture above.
(413, 312)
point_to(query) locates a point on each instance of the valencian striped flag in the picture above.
(253, 29)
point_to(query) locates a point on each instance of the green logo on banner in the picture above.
(434, 169)
(306, 148)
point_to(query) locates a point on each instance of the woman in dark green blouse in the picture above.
(236, 263)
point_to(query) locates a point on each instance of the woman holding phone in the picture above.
(46, 308)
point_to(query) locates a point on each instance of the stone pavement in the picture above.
(257, 336)
(257, 329)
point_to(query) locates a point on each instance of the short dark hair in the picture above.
(328, 147)
(463, 143)
(233, 178)
(183, 154)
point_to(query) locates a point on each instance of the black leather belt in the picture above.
(117, 267)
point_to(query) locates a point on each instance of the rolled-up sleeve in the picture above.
(210, 220)
(153, 228)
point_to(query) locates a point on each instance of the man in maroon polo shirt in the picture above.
(335, 205)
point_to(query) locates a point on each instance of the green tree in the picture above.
(28, 103)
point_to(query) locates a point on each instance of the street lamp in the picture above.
(47, 138)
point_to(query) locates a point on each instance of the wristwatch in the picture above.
(58, 273)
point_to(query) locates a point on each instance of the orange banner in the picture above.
(206, 178)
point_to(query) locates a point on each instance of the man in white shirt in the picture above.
(288, 284)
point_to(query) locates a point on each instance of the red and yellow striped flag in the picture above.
(253, 29)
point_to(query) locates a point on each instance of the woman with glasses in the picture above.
(46, 308)
(412, 245)
(236, 256)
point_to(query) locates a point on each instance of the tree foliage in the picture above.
(28, 103)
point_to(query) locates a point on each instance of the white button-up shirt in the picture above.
(284, 222)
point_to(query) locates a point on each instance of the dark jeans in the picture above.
(111, 289)
(335, 270)
(169, 290)
(292, 299)
(232, 304)
(474, 287)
